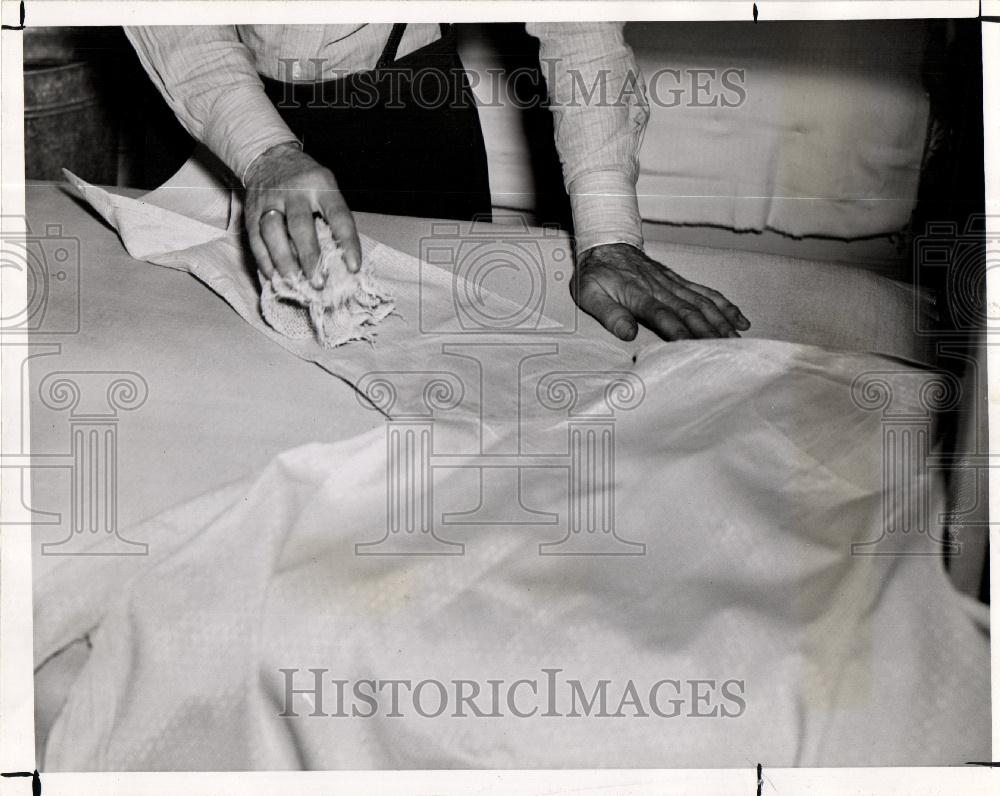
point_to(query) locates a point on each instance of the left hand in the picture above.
(621, 287)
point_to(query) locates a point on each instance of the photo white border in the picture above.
(209, 12)
(16, 679)
(969, 781)
(17, 712)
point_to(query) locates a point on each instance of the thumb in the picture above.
(612, 316)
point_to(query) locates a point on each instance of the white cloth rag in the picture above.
(336, 305)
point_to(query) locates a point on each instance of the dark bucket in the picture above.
(69, 119)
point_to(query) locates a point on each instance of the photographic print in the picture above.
(528, 395)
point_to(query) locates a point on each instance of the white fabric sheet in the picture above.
(745, 468)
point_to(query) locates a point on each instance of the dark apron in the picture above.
(401, 139)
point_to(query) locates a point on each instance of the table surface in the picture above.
(201, 426)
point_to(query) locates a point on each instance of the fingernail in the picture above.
(734, 333)
(624, 331)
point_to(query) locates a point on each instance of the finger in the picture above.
(730, 310)
(275, 235)
(720, 323)
(259, 250)
(341, 221)
(698, 312)
(302, 230)
(662, 320)
(690, 315)
(611, 315)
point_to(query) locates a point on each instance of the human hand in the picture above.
(621, 287)
(287, 180)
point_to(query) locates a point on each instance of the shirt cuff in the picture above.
(605, 210)
(243, 126)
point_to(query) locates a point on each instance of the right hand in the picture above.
(288, 180)
(622, 287)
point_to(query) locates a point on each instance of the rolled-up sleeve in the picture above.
(207, 76)
(599, 106)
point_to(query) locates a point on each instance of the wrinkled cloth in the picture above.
(740, 474)
(343, 307)
(746, 470)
